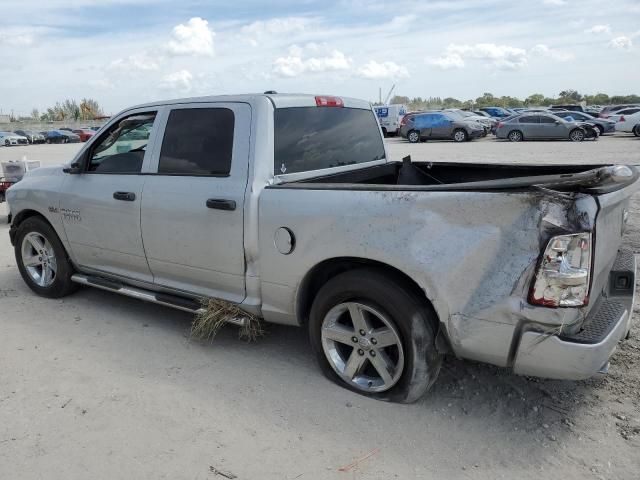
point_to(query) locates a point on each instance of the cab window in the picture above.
(122, 147)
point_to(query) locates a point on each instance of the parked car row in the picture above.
(62, 135)
(562, 122)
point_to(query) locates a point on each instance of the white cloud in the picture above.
(376, 70)
(258, 30)
(180, 80)
(622, 43)
(132, 63)
(504, 57)
(447, 62)
(554, 54)
(193, 38)
(296, 63)
(16, 39)
(599, 30)
(554, 3)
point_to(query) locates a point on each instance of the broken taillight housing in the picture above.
(564, 273)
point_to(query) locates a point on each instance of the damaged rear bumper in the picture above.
(586, 352)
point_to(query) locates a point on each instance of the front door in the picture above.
(193, 203)
(100, 206)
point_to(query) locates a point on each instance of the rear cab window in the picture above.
(317, 138)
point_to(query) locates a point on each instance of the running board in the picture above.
(173, 301)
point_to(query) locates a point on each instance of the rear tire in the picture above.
(413, 136)
(383, 306)
(460, 135)
(636, 130)
(576, 135)
(515, 136)
(42, 259)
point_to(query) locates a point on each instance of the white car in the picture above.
(619, 115)
(629, 124)
(9, 138)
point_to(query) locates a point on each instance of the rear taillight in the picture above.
(563, 275)
(324, 101)
(622, 119)
(403, 121)
(499, 124)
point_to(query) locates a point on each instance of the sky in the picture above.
(126, 52)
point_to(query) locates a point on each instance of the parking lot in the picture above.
(104, 387)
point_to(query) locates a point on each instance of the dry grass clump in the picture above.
(217, 313)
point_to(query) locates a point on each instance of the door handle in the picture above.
(220, 204)
(126, 196)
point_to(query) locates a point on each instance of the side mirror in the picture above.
(73, 169)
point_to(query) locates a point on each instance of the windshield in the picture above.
(315, 138)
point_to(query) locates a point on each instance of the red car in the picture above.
(84, 134)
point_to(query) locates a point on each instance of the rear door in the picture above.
(423, 124)
(441, 126)
(530, 126)
(193, 202)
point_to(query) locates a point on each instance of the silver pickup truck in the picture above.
(289, 206)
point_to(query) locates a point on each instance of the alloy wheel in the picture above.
(39, 259)
(362, 346)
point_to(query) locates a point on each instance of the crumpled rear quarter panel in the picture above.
(473, 253)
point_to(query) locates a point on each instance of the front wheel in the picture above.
(576, 135)
(374, 336)
(42, 260)
(600, 129)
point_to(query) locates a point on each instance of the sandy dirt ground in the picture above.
(97, 386)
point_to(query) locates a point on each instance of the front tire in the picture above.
(576, 135)
(413, 136)
(600, 129)
(373, 335)
(42, 260)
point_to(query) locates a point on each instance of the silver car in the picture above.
(538, 126)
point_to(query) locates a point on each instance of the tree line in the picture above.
(69, 109)
(535, 100)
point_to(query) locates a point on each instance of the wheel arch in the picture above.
(324, 271)
(23, 215)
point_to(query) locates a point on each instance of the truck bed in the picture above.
(428, 176)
